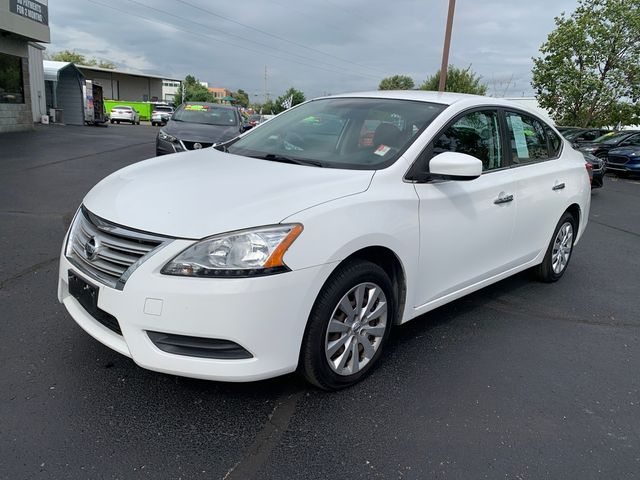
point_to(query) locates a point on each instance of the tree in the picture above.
(460, 80)
(396, 82)
(588, 73)
(276, 105)
(191, 90)
(79, 59)
(241, 98)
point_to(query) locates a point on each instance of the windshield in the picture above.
(122, 107)
(353, 133)
(205, 113)
(611, 138)
(163, 109)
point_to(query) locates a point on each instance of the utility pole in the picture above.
(265, 85)
(445, 50)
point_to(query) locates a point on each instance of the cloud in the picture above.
(318, 46)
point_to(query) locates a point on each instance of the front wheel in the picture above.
(556, 260)
(348, 326)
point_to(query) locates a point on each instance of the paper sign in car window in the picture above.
(381, 150)
(519, 137)
(197, 107)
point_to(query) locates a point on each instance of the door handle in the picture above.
(558, 186)
(503, 199)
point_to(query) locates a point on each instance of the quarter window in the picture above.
(527, 138)
(476, 134)
(554, 142)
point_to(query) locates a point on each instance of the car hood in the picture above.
(625, 151)
(200, 132)
(204, 192)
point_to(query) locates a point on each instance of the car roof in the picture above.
(444, 98)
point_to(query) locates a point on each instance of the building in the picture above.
(532, 104)
(128, 86)
(220, 93)
(22, 23)
(170, 89)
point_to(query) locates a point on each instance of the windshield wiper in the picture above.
(285, 159)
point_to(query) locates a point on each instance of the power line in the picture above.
(167, 24)
(273, 35)
(208, 28)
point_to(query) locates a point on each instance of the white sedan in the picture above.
(300, 244)
(124, 113)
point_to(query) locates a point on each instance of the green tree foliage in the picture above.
(396, 82)
(79, 59)
(588, 73)
(241, 98)
(460, 80)
(192, 91)
(276, 107)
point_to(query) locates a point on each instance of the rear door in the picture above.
(542, 181)
(466, 226)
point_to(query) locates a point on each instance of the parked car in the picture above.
(197, 125)
(161, 115)
(566, 129)
(124, 113)
(254, 120)
(584, 135)
(597, 169)
(600, 147)
(625, 160)
(296, 246)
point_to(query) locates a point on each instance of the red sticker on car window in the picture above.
(382, 150)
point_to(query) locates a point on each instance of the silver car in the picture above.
(161, 115)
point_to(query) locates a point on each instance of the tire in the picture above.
(111, 122)
(556, 260)
(327, 358)
(138, 122)
(118, 122)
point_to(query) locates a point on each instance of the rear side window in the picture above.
(476, 134)
(527, 138)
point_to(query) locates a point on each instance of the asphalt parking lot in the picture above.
(521, 380)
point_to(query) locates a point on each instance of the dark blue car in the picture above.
(624, 160)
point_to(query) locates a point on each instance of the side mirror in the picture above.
(455, 166)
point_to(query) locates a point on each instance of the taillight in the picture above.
(589, 168)
(113, 110)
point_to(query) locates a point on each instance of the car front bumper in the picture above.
(265, 315)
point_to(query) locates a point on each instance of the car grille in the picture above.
(190, 145)
(108, 252)
(618, 160)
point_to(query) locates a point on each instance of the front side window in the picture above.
(476, 134)
(352, 133)
(11, 90)
(527, 138)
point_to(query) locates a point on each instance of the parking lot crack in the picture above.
(27, 271)
(266, 440)
(635, 234)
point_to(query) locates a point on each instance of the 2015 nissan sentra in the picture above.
(299, 244)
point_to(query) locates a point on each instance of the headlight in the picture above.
(245, 253)
(165, 136)
(589, 149)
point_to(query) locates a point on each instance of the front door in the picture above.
(466, 226)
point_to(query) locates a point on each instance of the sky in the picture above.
(317, 46)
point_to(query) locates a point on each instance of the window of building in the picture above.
(11, 86)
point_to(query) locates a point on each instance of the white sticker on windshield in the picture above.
(382, 150)
(519, 136)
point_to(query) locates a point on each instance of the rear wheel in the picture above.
(556, 260)
(348, 326)
(118, 122)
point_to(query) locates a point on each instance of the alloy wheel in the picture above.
(562, 246)
(356, 329)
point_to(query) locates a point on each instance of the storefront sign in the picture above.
(31, 9)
